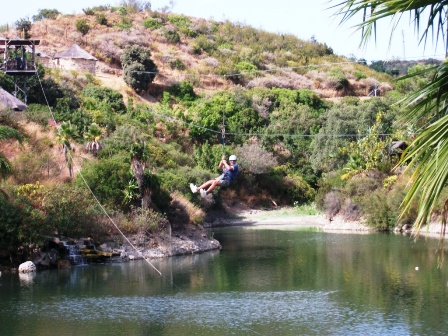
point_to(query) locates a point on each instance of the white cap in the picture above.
(232, 158)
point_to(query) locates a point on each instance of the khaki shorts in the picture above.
(224, 183)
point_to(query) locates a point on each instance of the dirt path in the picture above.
(285, 218)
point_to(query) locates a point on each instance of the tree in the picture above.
(93, 136)
(144, 179)
(24, 27)
(427, 155)
(82, 26)
(66, 133)
(138, 68)
(46, 14)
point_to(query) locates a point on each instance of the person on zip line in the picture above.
(229, 172)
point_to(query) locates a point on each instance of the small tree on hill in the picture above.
(46, 14)
(24, 26)
(82, 26)
(138, 68)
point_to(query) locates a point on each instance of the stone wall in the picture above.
(78, 64)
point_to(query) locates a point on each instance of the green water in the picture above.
(263, 282)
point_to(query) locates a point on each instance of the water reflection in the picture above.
(262, 282)
(27, 279)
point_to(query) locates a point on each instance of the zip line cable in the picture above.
(112, 221)
(334, 135)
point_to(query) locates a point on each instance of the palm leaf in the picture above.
(394, 9)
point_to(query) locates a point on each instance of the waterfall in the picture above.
(72, 254)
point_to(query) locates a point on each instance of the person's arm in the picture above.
(226, 165)
(222, 162)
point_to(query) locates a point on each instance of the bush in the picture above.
(177, 64)
(139, 69)
(379, 214)
(255, 159)
(152, 23)
(183, 91)
(172, 36)
(72, 211)
(298, 190)
(82, 26)
(107, 179)
(102, 93)
(24, 25)
(46, 14)
(101, 19)
(145, 222)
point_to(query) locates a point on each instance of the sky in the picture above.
(302, 18)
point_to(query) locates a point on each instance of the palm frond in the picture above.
(428, 156)
(394, 9)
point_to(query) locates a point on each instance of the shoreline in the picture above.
(285, 217)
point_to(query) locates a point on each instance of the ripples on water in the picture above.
(288, 313)
(260, 283)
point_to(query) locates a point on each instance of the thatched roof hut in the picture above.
(76, 58)
(9, 102)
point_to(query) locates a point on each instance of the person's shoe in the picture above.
(193, 188)
(203, 193)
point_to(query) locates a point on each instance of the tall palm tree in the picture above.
(428, 153)
(66, 133)
(144, 181)
(93, 136)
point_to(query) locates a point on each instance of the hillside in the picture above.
(210, 53)
(302, 121)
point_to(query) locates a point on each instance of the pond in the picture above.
(262, 282)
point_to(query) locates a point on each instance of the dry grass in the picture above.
(184, 212)
(107, 42)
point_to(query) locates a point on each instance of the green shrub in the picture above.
(125, 23)
(103, 93)
(139, 70)
(359, 75)
(179, 20)
(24, 25)
(46, 14)
(183, 91)
(298, 190)
(171, 36)
(379, 213)
(152, 23)
(24, 225)
(101, 19)
(177, 64)
(144, 222)
(107, 179)
(72, 211)
(82, 26)
(88, 11)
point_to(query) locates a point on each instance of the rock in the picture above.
(27, 267)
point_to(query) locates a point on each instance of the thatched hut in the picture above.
(75, 58)
(8, 102)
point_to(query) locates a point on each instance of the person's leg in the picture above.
(209, 185)
(213, 185)
(205, 185)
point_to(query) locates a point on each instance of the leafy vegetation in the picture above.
(226, 89)
(139, 70)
